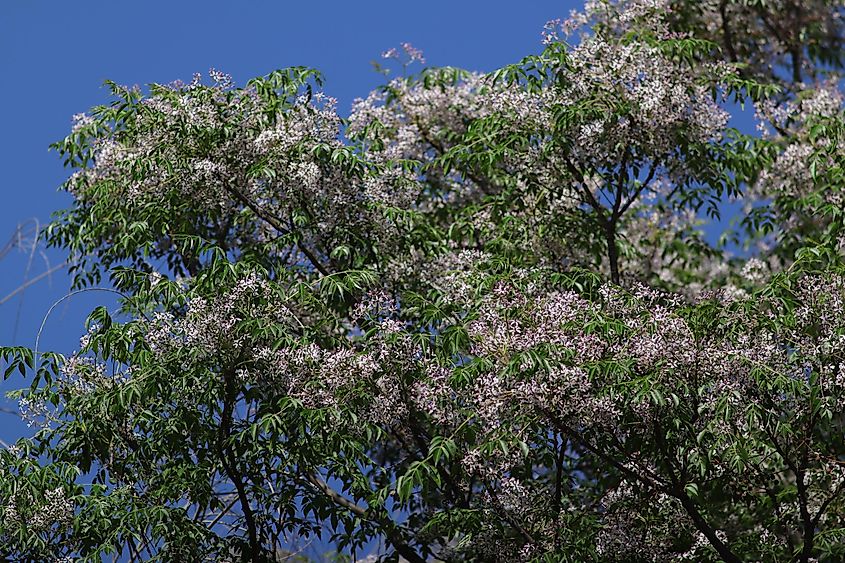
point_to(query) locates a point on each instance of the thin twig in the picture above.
(30, 282)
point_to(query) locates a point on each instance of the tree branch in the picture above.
(28, 283)
(276, 223)
(227, 460)
(393, 536)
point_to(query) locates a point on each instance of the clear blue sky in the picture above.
(55, 55)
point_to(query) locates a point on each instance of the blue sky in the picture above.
(55, 55)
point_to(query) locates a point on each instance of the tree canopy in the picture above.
(479, 318)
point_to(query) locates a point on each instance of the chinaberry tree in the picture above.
(476, 319)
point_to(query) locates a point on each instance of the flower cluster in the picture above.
(209, 326)
(664, 98)
(56, 509)
(238, 167)
(801, 179)
(412, 53)
(536, 360)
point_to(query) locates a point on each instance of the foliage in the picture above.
(478, 319)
